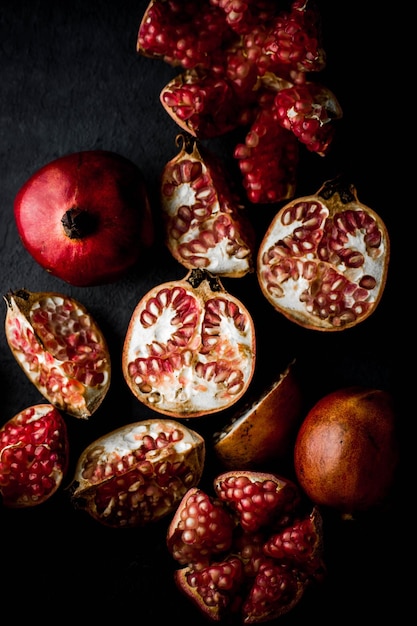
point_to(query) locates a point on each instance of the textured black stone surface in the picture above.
(70, 79)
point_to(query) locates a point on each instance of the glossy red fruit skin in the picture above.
(346, 452)
(108, 224)
(34, 456)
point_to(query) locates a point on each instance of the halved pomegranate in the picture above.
(190, 347)
(264, 430)
(205, 224)
(34, 454)
(61, 349)
(323, 261)
(138, 473)
(249, 551)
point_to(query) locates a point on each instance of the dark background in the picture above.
(70, 80)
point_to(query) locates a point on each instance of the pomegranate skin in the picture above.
(85, 217)
(346, 450)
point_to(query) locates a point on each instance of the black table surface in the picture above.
(71, 80)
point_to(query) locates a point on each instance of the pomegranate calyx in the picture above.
(78, 223)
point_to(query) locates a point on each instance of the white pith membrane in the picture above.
(191, 357)
(139, 472)
(302, 270)
(61, 350)
(202, 226)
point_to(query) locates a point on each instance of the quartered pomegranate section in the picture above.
(60, 348)
(246, 65)
(34, 455)
(138, 473)
(249, 551)
(323, 261)
(205, 224)
(190, 347)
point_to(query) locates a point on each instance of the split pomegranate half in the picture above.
(323, 261)
(138, 473)
(190, 347)
(61, 349)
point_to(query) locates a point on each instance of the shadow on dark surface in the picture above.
(71, 80)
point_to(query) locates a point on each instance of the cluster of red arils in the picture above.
(246, 63)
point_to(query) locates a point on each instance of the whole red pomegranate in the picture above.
(190, 347)
(249, 551)
(138, 473)
(34, 455)
(60, 348)
(346, 451)
(85, 217)
(323, 261)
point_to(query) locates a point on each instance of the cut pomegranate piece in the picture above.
(60, 348)
(324, 259)
(205, 226)
(138, 473)
(230, 54)
(34, 454)
(249, 554)
(190, 347)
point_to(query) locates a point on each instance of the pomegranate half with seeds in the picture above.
(205, 225)
(324, 259)
(61, 349)
(138, 473)
(34, 454)
(248, 551)
(190, 347)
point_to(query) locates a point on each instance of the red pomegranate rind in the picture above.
(34, 455)
(205, 225)
(138, 473)
(190, 347)
(60, 348)
(258, 499)
(323, 261)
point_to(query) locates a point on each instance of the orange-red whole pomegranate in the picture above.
(190, 347)
(323, 261)
(346, 451)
